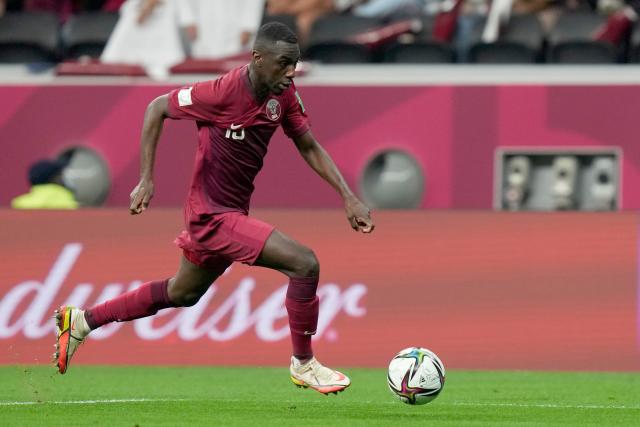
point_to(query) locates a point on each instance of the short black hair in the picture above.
(273, 32)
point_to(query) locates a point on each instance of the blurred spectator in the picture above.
(471, 18)
(548, 11)
(498, 16)
(225, 28)
(48, 190)
(390, 8)
(446, 19)
(620, 19)
(620, 16)
(112, 5)
(305, 11)
(62, 8)
(148, 34)
(10, 6)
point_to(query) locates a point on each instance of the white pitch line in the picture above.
(494, 404)
(88, 402)
(543, 405)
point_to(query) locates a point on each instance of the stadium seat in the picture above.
(520, 42)
(423, 49)
(419, 53)
(338, 28)
(571, 40)
(329, 40)
(338, 53)
(87, 34)
(634, 54)
(426, 29)
(29, 37)
(583, 52)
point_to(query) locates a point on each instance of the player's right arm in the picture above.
(154, 117)
(199, 102)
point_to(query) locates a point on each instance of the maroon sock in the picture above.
(144, 301)
(303, 307)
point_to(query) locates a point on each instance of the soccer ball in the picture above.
(416, 376)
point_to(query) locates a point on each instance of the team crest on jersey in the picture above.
(273, 109)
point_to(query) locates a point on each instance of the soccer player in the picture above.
(236, 116)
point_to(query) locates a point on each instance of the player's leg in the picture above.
(184, 289)
(192, 281)
(301, 265)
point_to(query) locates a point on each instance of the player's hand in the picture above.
(146, 8)
(192, 32)
(141, 196)
(359, 215)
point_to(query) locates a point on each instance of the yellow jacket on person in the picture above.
(46, 196)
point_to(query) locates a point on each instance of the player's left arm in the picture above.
(315, 155)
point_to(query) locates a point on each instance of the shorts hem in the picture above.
(253, 259)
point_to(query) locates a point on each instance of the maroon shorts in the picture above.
(215, 241)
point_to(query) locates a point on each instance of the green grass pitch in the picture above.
(222, 396)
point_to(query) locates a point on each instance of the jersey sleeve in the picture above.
(295, 122)
(197, 102)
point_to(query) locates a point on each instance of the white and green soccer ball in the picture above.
(416, 376)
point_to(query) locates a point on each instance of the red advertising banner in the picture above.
(484, 290)
(452, 132)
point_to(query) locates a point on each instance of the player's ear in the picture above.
(257, 57)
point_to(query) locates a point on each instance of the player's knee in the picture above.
(308, 265)
(187, 299)
(181, 297)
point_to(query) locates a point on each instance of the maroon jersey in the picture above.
(234, 130)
